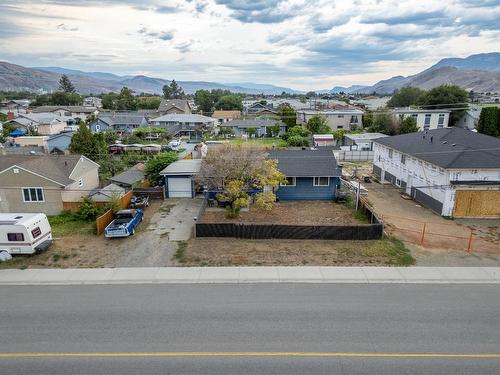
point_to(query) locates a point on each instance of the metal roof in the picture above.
(183, 167)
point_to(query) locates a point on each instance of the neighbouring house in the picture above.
(311, 174)
(174, 106)
(453, 171)
(130, 177)
(78, 112)
(46, 123)
(260, 109)
(14, 106)
(31, 140)
(360, 141)
(191, 125)
(470, 118)
(107, 194)
(262, 127)
(92, 101)
(348, 119)
(45, 183)
(180, 178)
(59, 143)
(120, 122)
(426, 119)
(226, 116)
(320, 140)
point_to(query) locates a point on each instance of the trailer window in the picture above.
(36, 232)
(15, 237)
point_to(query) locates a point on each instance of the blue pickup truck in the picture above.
(124, 223)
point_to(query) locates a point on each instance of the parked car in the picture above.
(24, 233)
(139, 202)
(124, 223)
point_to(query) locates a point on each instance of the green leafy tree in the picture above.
(204, 100)
(444, 97)
(296, 131)
(126, 100)
(274, 130)
(89, 210)
(148, 102)
(225, 132)
(383, 123)
(108, 100)
(85, 143)
(408, 125)
(230, 102)
(110, 137)
(297, 141)
(65, 98)
(318, 125)
(65, 84)
(489, 121)
(288, 115)
(367, 119)
(173, 91)
(406, 96)
(251, 132)
(235, 198)
(156, 164)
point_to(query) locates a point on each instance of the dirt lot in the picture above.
(224, 252)
(76, 246)
(307, 213)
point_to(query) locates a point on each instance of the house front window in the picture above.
(290, 181)
(321, 181)
(33, 194)
(403, 159)
(427, 121)
(441, 120)
(390, 153)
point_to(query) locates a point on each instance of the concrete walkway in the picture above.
(193, 275)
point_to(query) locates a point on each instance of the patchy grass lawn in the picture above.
(235, 252)
(77, 246)
(292, 212)
(69, 224)
(264, 142)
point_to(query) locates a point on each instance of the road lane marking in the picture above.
(251, 354)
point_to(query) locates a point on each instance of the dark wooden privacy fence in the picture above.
(295, 232)
(152, 193)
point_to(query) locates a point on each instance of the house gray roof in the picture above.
(117, 118)
(183, 167)
(167, 104)
(55, 167)
(449, 148)
(318, 162)
(183, 118)
(251, 123)
(130, 176)
(69, 108)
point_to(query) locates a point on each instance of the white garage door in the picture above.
(179, 187)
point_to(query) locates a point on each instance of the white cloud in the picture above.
(298, 43)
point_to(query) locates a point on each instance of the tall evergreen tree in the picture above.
(489, 121)
(65, 84)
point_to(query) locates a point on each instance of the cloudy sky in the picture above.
(303, 44)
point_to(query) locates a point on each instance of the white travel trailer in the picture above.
(24, 233)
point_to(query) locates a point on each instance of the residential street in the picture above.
(356, 325)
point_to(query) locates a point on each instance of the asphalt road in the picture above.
(238, 329)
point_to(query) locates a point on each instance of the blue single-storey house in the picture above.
(121, 122)
(180, 178)
(312, 174)
(59, 143)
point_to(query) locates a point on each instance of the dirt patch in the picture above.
(81, 248)
(305, 213)
(221, 252)
(452, 258)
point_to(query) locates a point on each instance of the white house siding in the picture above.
(421, 115)
(431, 179)
(335, 119)
(428, 178)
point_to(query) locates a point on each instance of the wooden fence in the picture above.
(106, 218)
(152, 193)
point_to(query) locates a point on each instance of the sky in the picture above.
(301, 44)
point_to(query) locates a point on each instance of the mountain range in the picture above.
(480, 73)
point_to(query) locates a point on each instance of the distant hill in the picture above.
(480, 73)
(347, 90)
(16, 77)
(482, 61)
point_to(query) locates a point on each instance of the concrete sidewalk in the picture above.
(194, 275)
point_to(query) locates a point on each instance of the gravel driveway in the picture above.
(156, 245)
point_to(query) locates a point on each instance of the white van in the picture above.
(24, 233)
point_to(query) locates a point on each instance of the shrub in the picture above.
(297, 141)
(89, 210)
